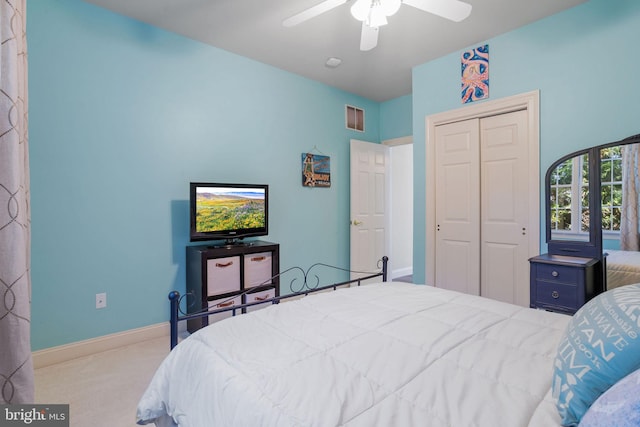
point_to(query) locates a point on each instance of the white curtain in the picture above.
(16, 366)
(629, 232)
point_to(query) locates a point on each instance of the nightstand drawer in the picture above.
(556, 294)
(557, 273)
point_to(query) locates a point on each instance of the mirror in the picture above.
(593, 205)
(620, 205)
(572, 214)
(569, 199)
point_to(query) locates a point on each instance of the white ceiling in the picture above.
(253, 28)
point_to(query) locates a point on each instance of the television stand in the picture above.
(218, 276)
(233, 243)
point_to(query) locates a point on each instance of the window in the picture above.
(570, 194)
(611, 181)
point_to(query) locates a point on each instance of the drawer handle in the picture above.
(555, 294)
(221, 265)
(555, 273)
(258, 258)
(225, 304)
(262, 298)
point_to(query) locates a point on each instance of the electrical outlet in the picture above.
(101, 300)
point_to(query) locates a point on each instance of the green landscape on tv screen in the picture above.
(217, 210)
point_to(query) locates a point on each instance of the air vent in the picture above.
(354, 118)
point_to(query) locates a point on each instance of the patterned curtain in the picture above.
(629, 232)
(16, 366)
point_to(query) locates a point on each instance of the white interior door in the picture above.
(458, 207)
(505, 209)
(369, 239)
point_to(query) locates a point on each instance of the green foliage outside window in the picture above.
(611, 179)
(584, 194)
(561, 196)
(563, 191)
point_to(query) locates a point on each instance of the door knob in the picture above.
(356, 222)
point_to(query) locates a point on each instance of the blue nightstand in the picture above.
(562, 283)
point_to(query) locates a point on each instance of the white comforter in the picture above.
(391, 354)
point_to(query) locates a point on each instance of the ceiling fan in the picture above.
(374, 13)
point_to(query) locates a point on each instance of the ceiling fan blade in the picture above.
(369, 37)
(312, 12)
(454, 10)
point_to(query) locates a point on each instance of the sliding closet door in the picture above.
(458, 207)
(482, 207)
(504, 208)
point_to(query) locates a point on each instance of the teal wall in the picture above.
(396, 118)
(122, 117)
(584, 62)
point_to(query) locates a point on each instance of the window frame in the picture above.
(577, 208)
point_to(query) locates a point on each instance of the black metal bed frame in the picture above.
(305, 288)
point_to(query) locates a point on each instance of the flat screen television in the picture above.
(228, 211)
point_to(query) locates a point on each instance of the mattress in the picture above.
(623, 268)
(386, 354)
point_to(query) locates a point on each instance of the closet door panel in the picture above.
(457, 207)
(504, 208)
(498, 277)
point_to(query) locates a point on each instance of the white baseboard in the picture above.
(62, 353)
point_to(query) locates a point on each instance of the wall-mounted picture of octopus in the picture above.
(475, 74)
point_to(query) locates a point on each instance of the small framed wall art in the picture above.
(316, 170)
(475, 74)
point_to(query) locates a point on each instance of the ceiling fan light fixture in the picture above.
(390, 7)
(377, 18)
(360, 9)
(374, 12)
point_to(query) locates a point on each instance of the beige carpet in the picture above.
(102, 389)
